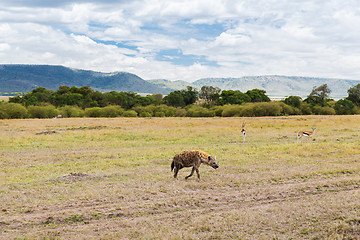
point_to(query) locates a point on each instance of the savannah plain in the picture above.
(92, 178)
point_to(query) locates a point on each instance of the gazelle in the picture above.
(306, 133)
(243, 130)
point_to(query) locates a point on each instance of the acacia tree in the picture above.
(209, 93)
(294, 101)
(354, 94)
(257, 95)
(319, 95)
(190, 95)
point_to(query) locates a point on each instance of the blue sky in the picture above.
(185, 39)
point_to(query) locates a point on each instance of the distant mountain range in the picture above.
(275, 86)
(24, 78)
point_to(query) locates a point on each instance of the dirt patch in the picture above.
(72, 177)
(226, 209)
(46, 132)
(85, 128)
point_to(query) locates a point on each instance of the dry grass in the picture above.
(111, 179)
(4, 98)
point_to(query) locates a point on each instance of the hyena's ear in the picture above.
(209, 158)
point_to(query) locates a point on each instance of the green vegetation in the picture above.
(208, 102)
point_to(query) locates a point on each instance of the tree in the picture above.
(35, 97)
(233, 97)
(257, 95)
(344, 106)
(293, 101)
(319, 95)
(354, 95)
(209, 93)
(190, 95)
(174, 99)
(181, 98)
(15, 110)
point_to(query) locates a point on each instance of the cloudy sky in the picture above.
(186, 39)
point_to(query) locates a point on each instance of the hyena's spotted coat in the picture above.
(192, 158)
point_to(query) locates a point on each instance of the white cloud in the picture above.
(243, 37)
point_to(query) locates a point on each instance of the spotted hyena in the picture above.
(192, 159)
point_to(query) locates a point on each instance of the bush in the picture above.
(247, 110)
(288, 110)
(180, 112)
(231, 111)
(159, 114)
(130, 113)
(267, 109)
(305, 108)
(70, 111)
(168, 110)
(198, 111)
(94, 112)
(3, 113)
(145, 114)
(323, 110)
(344, 106)
(14, 110)
(218, 110)
(43, 111)
(293, 101)
(112, 111)
(144, 111)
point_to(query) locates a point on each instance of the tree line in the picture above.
(207, 102)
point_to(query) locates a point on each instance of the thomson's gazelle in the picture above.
(306, 133)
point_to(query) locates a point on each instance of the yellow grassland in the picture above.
(4, 98)
(83, 178)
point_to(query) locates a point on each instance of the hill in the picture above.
(275, 86)
(280, 86)
(176, 85)
(24, 78)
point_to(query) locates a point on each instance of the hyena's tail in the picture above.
(172, 165)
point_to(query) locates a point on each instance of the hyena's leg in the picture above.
(176, 170)
(198, 173)
(192, 172)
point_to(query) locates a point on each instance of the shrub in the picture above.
(159, 114)
(344, 106)
(287, 109)
(3, 113)
(180, 112)
(231, 111)
(266, 109)
(198, 111)
(43, 111)
(145, 111)
(293, 101)
(218, 110)
(15, 110)
(247, 110)
(357, 110)
(323, 110)
(145, 114)
(168, 110)
(70, 111)
(112, 111)
(305, 108)
(93, 112)
(130, 113)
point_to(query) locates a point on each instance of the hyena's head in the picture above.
(212, 162)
